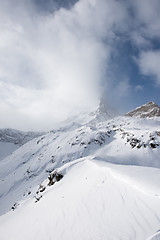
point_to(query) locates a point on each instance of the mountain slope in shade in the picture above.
(11, 139)
(149, 110)
(156, 236)
(6, 148)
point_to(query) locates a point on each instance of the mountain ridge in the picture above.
(149, 110)
(78, 171)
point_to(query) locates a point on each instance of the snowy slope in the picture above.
(11, 139)
(6, 148)
(121, 141)
(94, 200)
(156, 236)
(105, 192)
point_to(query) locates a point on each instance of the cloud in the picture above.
(138, 88)
(122, 89)
(147, 13)
(149, 64)
(53, 63)
(145, 22)
(144, 35)
(57, 63)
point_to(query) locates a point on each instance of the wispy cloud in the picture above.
(52, 64)
(145, 35)
(149, 64)
(138, 88)
(56, 63)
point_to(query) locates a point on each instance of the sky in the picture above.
(59, 59)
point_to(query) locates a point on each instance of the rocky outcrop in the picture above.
(148, 110)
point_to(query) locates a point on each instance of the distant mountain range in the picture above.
(11, 139)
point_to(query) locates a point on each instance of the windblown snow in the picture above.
(95, 181)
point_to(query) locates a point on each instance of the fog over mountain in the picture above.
(59, 58)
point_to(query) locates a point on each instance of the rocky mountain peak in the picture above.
(147, 110)
(103, 112)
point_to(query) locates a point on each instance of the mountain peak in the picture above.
(151, 103)
(147, 110)
(103, 112)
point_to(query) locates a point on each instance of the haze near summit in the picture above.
(57, 61)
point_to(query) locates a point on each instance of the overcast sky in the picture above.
(59, 58)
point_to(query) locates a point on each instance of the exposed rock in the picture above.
(15, 205)
(54, 177)
(37, 198)
(148, 110)
(154, 145)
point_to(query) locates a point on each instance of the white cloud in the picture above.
(144, 34)
(149, 64)
(52, 64)
(145, 22)
(122, 88)
(138, 88)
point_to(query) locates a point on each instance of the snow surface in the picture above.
(6, 148)
(156, 236)
(92, 201)
(110, 188)
(11, 139)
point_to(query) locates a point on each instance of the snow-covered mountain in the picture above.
(102, 113)
(11, 139)
(99, 180)
(149, 110)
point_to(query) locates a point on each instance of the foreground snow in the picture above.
(94, 200)
(156, 236)
(110, 188)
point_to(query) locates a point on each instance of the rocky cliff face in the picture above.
(147, 110)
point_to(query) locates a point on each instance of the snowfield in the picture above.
(6, 148)
(11, 139)
(96, 181)
(156, 236)
(94, 200)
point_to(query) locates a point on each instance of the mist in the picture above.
(55, 64)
